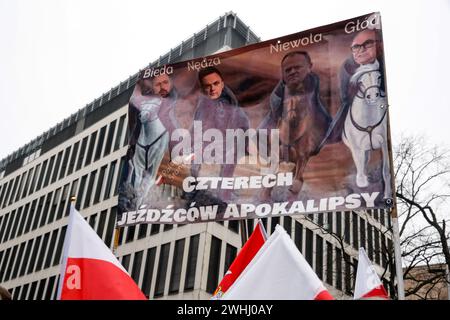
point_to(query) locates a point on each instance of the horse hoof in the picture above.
(361, 181)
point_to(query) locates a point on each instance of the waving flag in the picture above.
(90, 271)
(248, 251)
(278, 272)
(368, 284)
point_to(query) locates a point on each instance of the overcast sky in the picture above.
(56, 56)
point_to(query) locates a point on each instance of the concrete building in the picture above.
(83, 156)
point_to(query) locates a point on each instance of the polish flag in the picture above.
(368, 284)
(278, 272)
(90, 271)
(246, 254)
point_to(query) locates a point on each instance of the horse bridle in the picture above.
(370, 87)
(147, 147)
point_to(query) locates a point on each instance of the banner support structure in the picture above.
(394, 217)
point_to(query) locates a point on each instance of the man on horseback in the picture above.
(218, 109)
(366, 47)
(298, 112)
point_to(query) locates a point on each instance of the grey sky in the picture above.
(56, 56)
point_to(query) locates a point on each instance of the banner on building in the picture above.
(293, 125)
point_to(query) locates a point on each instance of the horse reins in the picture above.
(147, 147)
(367, 129)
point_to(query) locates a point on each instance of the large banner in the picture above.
(293, 125)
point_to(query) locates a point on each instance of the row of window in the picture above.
(54, 205)
(327, 261)
(89, 149)
(45, 250)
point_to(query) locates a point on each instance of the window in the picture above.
(191, 263)
(91, 148)
(109, 181)
(233, 225)
(10, 264)
(298, 236)
(329, 278)
(109, 139)
(57, 166)
(111, 225)
(377, 246)
(48, 258)
(45, 211)
(230, 255)
(49, 291)
(309, 247)
(98, 189)
(38, 212)
(135, 273)
(26, 257)
(119, 133)
(13, 193)
(148, 271)
(319, 256)
(287, 223)
(92, 220)
(338, 269)
(162, 270)
(362, 232)
(275, 221)
(27, 183)
(348, 276)
(122, 163)
(40, 261)
(101, 138)
(347, 227)
(177, 263)
(73, 158)
(23, 220)
(130, 233)
(355, 230)
(65, 162)
(62, 204)
(54, 206)
(369, 241)
(214, 265)
(81, 154)
(101, 223)
(81, 190)
(87, 199)
(142, 233)
(339, 224)
(126, 261)
(34, 255)
(19, 190)
(49, 171)
(58, 251)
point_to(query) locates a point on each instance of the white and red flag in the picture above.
(90, 271)
(367, 283)
(278, 272)
(246, 254)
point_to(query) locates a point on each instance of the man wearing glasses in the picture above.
(365, 48)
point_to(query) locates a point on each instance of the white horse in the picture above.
(151, 145)
(365, 126)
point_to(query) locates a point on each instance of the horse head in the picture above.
(367, 79)
(149, 109)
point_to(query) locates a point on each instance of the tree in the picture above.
(422, 174)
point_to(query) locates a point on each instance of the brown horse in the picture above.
(303, 122)
(302, 128)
